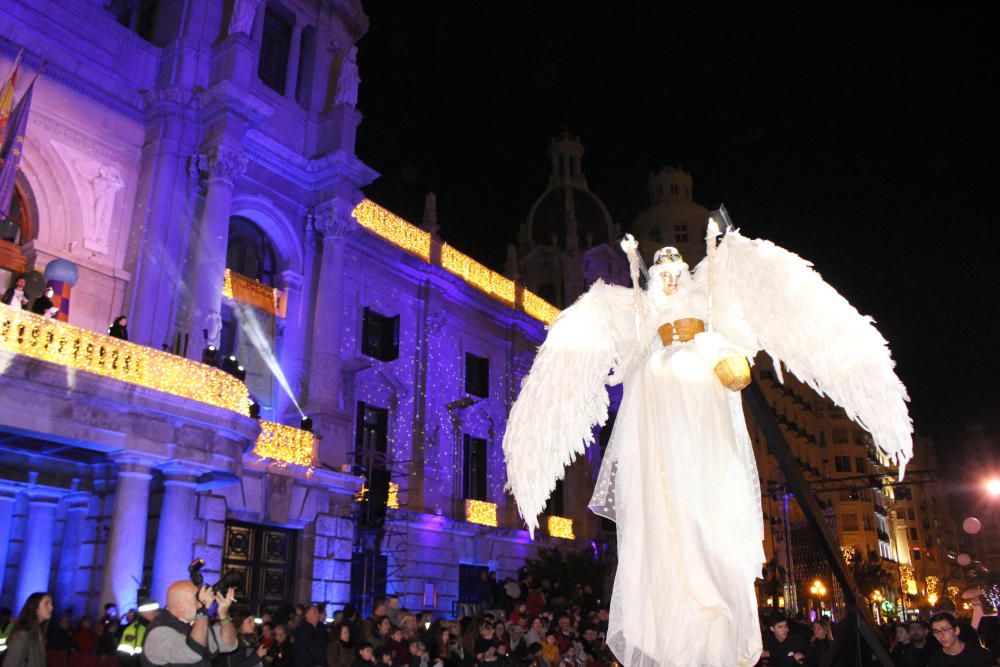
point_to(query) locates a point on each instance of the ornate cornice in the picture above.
(312, 174)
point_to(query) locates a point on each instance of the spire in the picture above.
(429, 221)
(510, 267)
(566, 155)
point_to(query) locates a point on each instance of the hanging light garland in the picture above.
(561, 527)
(60, 343)
(285, 445)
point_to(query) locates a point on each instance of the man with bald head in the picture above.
(182, 634)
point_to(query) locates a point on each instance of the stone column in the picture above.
(126, 547)
(7, 499)
(222, 165)
(69, 552)
(292, 348)
(292, 73)
(173, 538)
(36, 556)
(335, 225)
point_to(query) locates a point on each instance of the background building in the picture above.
(192, 165)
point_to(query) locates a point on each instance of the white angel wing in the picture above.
(563, 396)
(765, 297)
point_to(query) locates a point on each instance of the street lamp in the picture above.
(818, 589)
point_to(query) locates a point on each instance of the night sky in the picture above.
(862, 140)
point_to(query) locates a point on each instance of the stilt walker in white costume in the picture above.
(679, 476)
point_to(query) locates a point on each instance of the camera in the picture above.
(231, 579)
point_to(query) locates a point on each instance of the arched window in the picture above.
(16, 230)
(249, 252)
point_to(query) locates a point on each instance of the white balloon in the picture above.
(963, 559)
(972, 525)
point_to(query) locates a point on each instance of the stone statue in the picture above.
(348, 79)
(107, 182)
(244, 13)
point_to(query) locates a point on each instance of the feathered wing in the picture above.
(563, 396)
(765, 297)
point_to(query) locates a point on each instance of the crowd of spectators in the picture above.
(513, 624)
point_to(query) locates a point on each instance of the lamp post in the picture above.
(877, 598)
(818, 591)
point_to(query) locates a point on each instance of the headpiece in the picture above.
(667, 255)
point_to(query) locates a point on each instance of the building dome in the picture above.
(673, 217)
(568, 213)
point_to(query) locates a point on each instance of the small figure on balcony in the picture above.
(119, 328)
(679, 476)
(43, 305)
(14, 296)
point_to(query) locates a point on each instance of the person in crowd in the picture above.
(353, 620)
(249, 652)
(517, 647)
(182, 632)
(119, 328)
(536, 656)
(485, 646)
(26, 643)
(536, 632)
(340, 648)
(384, 656)
(379, 611)
(107, 642)
(309, 640)
(419, 657)
(821, 641)
(484, 594)
(550, 649)
(59, 642)
(43, 304)
(84, 645)
(392, 609)
(15, 296)
(520, 610)
(365, 657)
(281, 653)
(565, 635)
(954, 652)
(266, 633)
(781, 647)
(921, 647)
(381, 629)
(399, 647)
(898, 642)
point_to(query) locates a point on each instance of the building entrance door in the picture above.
(265, 556)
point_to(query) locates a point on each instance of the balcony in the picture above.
(81, 389)
(481, 512)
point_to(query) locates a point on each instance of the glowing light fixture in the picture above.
(561, 527)
(481, 512)
(285, 445)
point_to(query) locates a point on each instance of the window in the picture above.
(380, 336)
(681, 233)
(868, 523)
(822, 438)
(372, 435)
(249, 252)
(859, 463)
(860, 437)
(474, 468)
(914, 534)
(916, 554)
(477, 375)
(842, 463)
(557, 501)
(274, 49)
(849, 522)
(840, 436)
(673, 190)
(470, 582)
(910, 515)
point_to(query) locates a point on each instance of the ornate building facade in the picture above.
(192, 165)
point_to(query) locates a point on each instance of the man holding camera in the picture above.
(182, 633)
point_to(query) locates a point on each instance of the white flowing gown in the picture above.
(680, 481)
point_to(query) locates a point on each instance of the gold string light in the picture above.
(253, 292)
(416, 241)
(560, 526)
(60, 343)
(392, 502)
(481, 512)
(909, 582)
(285, 445)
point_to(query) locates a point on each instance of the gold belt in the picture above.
(680, 331)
